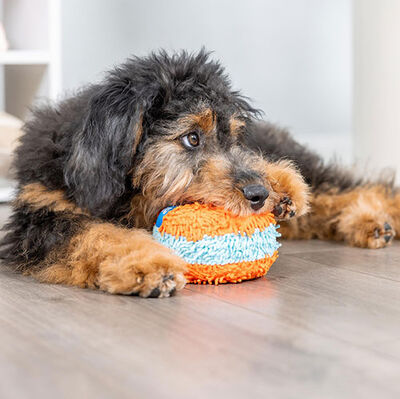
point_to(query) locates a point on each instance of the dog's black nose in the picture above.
(256, 194)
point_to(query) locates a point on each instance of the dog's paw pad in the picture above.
(381, 236)
(285, 209)
(165, 287)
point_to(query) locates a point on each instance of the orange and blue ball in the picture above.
(219, 247)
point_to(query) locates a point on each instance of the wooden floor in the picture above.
(325, 323)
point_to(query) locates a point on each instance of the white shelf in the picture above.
(24, 57)
(31, 69)
(7, 190)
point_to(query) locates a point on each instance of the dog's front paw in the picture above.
(285, 209)
(160, 284)
(291, 203)
(291, 193)
(156, 273)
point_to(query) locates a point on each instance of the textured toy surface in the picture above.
(218, 246)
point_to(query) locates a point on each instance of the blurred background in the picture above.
(326, 69)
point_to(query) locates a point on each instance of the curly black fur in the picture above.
(33, 234)
(88, 145)
(277, 143)
(84, 145)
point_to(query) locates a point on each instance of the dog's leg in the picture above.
(53, 240)
(289, 188)
(116, 260)
(393, 208)
(358, 217)
(343, 206)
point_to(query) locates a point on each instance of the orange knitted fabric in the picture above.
(218, 246)
(229, 273)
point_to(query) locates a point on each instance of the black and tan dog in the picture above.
(95, 170)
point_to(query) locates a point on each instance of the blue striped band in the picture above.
(224, 249)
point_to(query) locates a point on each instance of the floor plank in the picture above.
(383, 263)
(344, 304)
(299, 246)
(316, 327)
(129, 342)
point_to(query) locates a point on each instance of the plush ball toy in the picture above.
(218, 246)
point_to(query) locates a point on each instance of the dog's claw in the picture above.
(381, 236)
(155, 293)
(387, 238)
(277, 210)
(286, 200)
(387, 226)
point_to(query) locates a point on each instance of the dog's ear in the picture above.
(103, 149)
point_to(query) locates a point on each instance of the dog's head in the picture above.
(170, 130)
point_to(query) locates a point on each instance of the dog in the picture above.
(95, 169)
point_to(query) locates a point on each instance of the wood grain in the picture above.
(319, 326)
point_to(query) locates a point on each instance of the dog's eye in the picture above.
(190, 140)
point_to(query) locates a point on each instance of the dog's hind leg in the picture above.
(394, 211)
(360, 217)
(343, 206)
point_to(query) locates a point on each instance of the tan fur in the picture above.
(38, 196)
(138, 133)
(164, 180)
(236, 125)
(213, 185)
(286, 181)
(116, 260)
(167, 175)
(357, 217)
(393, 207)
(204, 119)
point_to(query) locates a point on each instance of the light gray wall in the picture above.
(377, 84)
(292, 57)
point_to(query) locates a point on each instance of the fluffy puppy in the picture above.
(95, 169)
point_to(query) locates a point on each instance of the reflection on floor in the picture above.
(325, 323)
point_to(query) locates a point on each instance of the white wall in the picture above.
(377, 83)
(293, 57)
